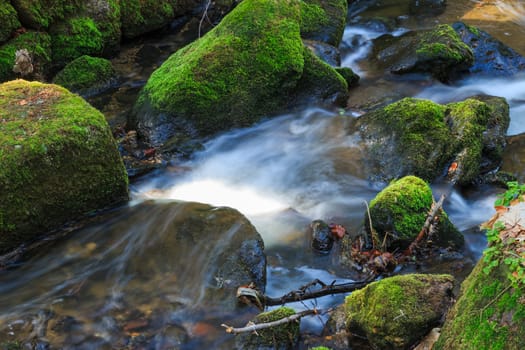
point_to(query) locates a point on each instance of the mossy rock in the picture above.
(399, 211)
(323, 20)
(282, 337)
(438, 52)
(422, 138)
(489, 313)
(396, 312)
(142, 16)
(38, 44)
(247, 67)
(41, 14)
(107, 18)
(9, 20)
(59, 161)
(86, 75)
(73, 38)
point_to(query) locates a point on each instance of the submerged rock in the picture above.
(396, 312)
(438, 52)
(423, 138)
(399, 211)
(253, 64)
(282, 337)
(59, 161)
(86, 75)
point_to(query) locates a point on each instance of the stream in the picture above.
(281, 174)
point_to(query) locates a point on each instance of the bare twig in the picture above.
(303, 293)
(204, 16)
(253, 327)
(430, 219)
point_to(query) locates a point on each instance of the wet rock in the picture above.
(398, 214)
(396, 312)
(491, 56)
(321, 237)
(86, 75)
(427, 7)
(438, 52)
(323, 20)
(282, 337)
(327, 53)
(422, 138)
(60, 165)
(266, 69)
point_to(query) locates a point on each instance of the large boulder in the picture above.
(491, 56)
(423, 138)
(438, 52)
(59, 161)
(253, 64)
(399, 211)
(396, 312)
(490, 311)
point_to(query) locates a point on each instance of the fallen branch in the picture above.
(253, 327)
(426, 226)
(250, 295)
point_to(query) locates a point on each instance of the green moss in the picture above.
(41, 14)
(75, 37)
(108, 22)
(245, 67)
(38, 44)
(396, 312)
(85, 74)
(401, 209)
(59, 161)
(320, 348)
(9, 20)
(489, 314)
(280, 337)
(351, 78)
(323, 20)
(141, 16)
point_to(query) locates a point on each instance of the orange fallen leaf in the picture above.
(22, 102)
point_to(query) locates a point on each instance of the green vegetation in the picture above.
(323, 20)
(74, 38)
(39, 46)
(142, 16)
(85, 74)
(395, 312)
(41, 14)
(59, 161)
(9, 20)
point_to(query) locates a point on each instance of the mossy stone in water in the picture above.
(86, 75)
(59, 161)
(282, 337)
(396, 312)
(247, 67)
(399, 212)
(323, 20)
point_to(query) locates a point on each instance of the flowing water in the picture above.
(80, 292)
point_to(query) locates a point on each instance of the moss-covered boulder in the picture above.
(86, 75)
(490, 311)
(438, 52)
(282, 337)
(38, 44)
(323, 20)
(59, 161)
(40, 14)
(423, 138)
(9, 20)
(396, 312)
(399, 212)
(249, 66)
